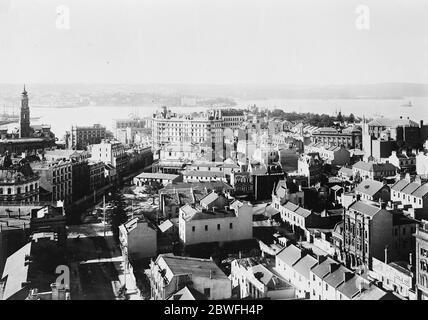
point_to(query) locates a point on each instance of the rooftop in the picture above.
(369, 187)
(188, 265)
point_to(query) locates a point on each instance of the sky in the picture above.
(213, 42)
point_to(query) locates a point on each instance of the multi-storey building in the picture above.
(18, 182)
(82, 136)
(56, 178)
(422, 163)
(372, 231)
(96, 175)
(349, 137)
(29, 138)
(422, 261)
(215, 224)
(170, 274)
(169, 127)
(331, 154)
(310, 165)
(231, 118)
(405, 162)
(111, 152)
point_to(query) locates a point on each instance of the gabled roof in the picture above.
(290, 206)
(351, 287)
(335, 278)
(187, 293)
(410, 188)
(400, 185)
(322, 269)
(346, 171)
(209, 198)
(421, 191)
(303, 212)
(166, 225)
(290, 255)
(304, 265)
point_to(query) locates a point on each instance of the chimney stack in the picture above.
(347, 276)
(386, 254)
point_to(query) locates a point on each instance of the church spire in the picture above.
(25, 91)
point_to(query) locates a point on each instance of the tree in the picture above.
(339, 117)
(351, 118)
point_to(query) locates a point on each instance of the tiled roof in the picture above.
(400, 185)
(335, 278)
(304, 265)
(290, 206)
(421, 191)
(410, 188)
(351, 287)
(322, 269)
(209, 198)
(303, 212)
(290, 255)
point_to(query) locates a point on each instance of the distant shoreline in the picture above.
(208, 106)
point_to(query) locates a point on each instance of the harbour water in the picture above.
(62, 119)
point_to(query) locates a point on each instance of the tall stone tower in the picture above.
(24, 118)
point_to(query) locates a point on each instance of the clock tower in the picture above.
(24, 118)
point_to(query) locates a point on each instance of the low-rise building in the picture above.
(169, 274)
(254, 280)
(155, 178)
(395, 276)
(372, 190)
(373, 170)
(138, 239)
(411, 194)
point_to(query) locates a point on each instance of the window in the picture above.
(193, 228)
(326, 287)
(207, 292)
(218, 226)
(206, 227)
(231, 225)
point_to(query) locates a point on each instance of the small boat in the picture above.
(407, 105)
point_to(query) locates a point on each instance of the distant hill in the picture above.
(250, 91)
